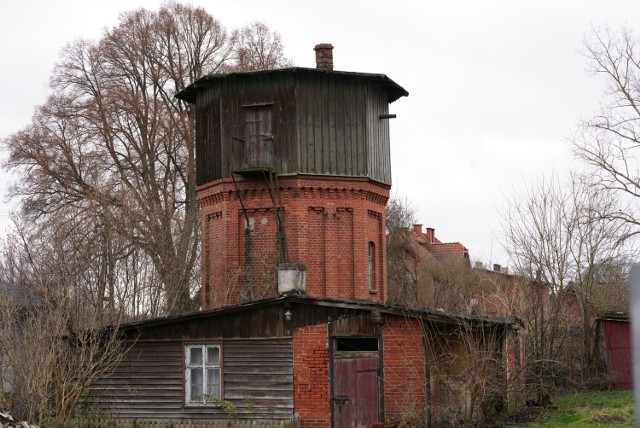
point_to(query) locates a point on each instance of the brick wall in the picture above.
(404, 371)
(311, 376)
(329, 223)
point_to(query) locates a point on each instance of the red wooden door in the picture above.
(619, 350)
(355, 391)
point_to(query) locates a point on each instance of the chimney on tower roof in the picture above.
(324, 56)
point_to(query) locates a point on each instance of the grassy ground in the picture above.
(592, 409)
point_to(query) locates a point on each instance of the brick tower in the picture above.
(293, 175)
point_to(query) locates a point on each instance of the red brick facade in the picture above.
(311, 376)
(404, 372)
(404, 369)
(329, 225)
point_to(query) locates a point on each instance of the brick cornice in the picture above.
(296, 187)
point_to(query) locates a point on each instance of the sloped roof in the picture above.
(394, 90)
(435, 247)
(427, 314)
(441, 250)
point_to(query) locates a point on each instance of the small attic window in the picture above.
(258, 135)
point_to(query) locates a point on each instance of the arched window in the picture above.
(372, 266)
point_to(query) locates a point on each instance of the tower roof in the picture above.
(394, 90)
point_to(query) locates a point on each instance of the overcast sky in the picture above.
(495, 87)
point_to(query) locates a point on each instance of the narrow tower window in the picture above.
(372, 266)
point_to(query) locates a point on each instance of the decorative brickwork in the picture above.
(311, 376)
(329, 223)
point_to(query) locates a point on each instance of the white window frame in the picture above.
(189, 365)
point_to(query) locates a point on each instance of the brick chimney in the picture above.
(417, 229)
(324, 56)
(430, 235)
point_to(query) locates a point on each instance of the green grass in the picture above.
(591, 409)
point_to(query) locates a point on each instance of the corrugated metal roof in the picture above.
(394, 90)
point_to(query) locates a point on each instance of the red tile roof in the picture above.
(435, 247)
(441, 250)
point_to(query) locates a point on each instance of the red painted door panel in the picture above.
(619, 353)
(355, 392)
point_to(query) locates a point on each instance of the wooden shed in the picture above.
(325, 362)
(615, 329)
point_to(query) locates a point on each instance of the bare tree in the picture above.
(52, 367)
(449, 283)
(115, 145)
(609, 143)
(54, 343)
(258, 48)
(556, 237)
(402, 258)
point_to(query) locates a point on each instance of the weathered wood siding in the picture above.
(220, 123)
(339, 127)
(263, 322)
(149, 383)
(379, 153)
(321, 124)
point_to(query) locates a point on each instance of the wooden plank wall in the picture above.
(322, 124)
(220, 123)
(332, 126)
(208, 136)
(266, 321)
(339, 128)
(379, 156)
(148, 383)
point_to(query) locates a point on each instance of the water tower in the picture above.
(293, 174)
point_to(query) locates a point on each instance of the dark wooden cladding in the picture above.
(220, 123)
(259, 322)
(378, 138)
(361, 325)
(320, 123)
(265, 321)
(148, 384)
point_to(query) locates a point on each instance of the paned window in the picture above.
(202, 374)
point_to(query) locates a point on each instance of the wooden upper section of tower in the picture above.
(293, 121)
